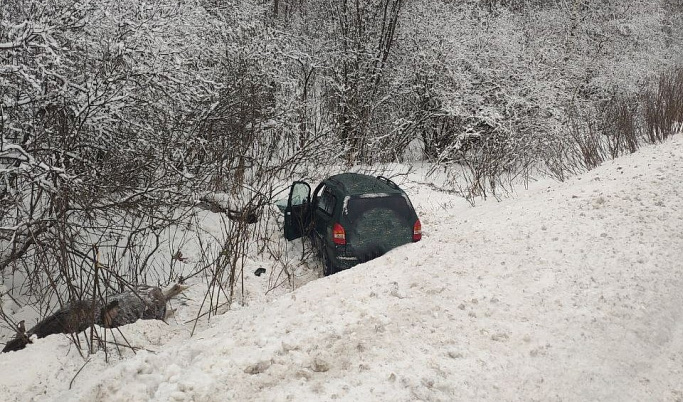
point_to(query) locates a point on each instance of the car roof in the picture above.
(358, 184)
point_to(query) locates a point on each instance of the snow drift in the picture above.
(570, 291)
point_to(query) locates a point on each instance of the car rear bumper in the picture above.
(346, 256)
(343, 259)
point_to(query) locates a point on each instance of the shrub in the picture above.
(663, 106)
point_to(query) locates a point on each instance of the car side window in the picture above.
(327, 202)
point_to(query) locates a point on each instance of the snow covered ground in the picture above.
(566, 291)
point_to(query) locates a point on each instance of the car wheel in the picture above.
(328, 268)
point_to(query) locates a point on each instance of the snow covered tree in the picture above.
(99, 99)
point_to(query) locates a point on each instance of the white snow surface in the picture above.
(566, 291)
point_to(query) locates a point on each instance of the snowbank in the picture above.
(571, 291)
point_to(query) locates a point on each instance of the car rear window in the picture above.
(357, 207)
(378, 223)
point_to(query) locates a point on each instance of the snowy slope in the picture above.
(569, 291)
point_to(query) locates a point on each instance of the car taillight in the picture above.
(338, 235)
(417, 231)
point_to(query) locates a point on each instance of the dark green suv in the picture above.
(351, 218)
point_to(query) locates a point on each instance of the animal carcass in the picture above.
(140, 302)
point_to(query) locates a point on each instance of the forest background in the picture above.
(120, 118)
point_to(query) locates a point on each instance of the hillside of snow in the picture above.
(565, 291)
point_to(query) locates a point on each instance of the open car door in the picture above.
(298, 211)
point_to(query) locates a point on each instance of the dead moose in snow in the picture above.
(141, 302)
